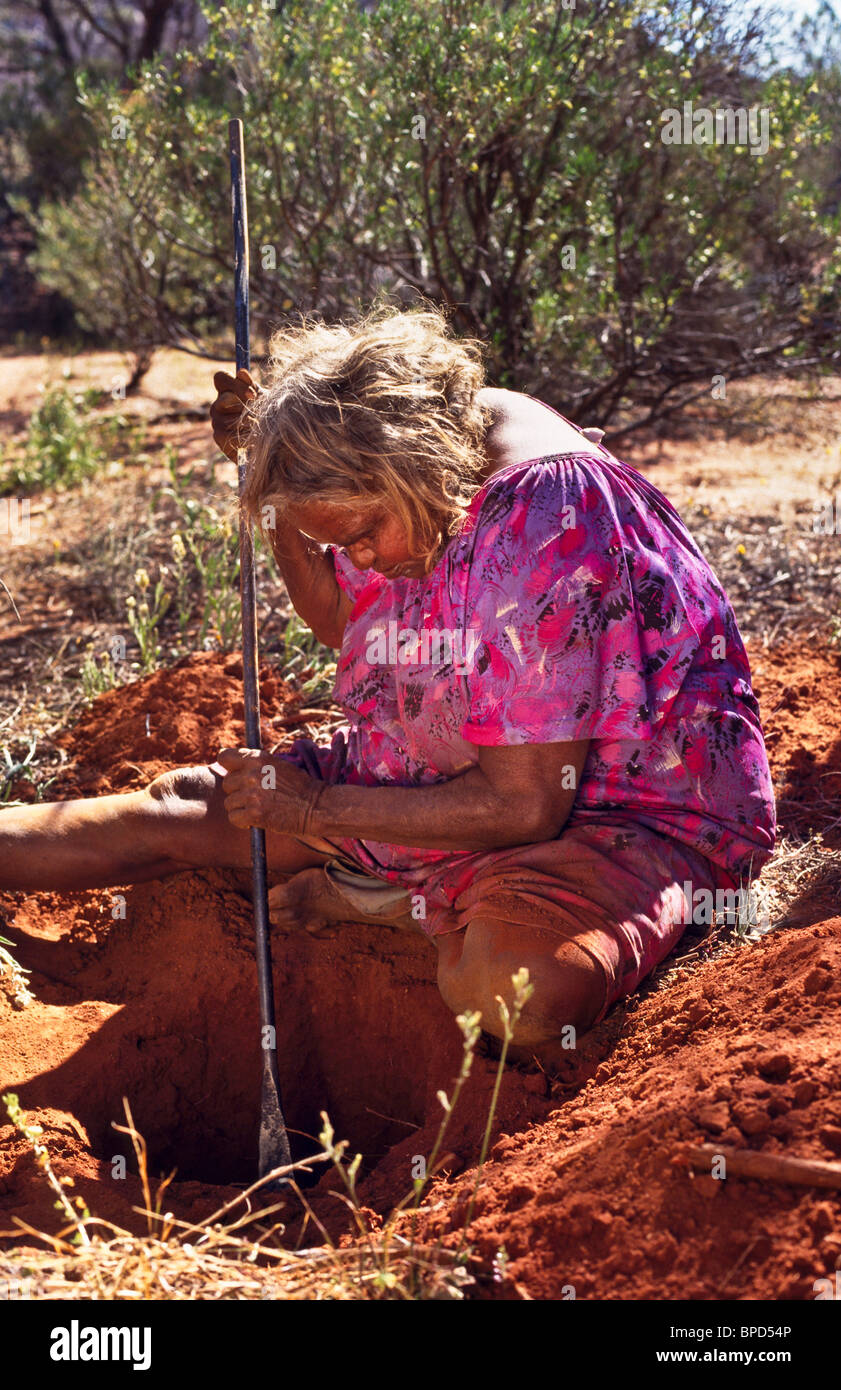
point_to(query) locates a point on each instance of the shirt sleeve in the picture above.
(561, 646)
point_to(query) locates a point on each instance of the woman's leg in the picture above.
(178, 822)
(476, 965)
(590, 915)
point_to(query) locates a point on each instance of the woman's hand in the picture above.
(229, 428)
(265, 790)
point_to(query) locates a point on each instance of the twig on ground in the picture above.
(747, 1163)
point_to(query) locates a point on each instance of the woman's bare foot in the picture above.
(303, 903)
(310, 901)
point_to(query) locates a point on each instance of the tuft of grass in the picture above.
(97, 679)
(305, 660)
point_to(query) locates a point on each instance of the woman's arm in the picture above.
(517, 795)
(310, 579)
(520, 794)
(305, 568)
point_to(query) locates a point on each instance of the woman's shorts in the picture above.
(620, 892)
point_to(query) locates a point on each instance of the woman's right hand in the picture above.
(227, 410)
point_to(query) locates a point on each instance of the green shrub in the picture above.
(67, 443)
(61, 448)
(504, 160)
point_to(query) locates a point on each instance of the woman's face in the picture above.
(370, 534)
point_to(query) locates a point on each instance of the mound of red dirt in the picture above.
(149, 992)
(181, 715)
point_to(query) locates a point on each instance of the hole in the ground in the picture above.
(362, 1033)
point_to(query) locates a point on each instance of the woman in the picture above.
(552, 742)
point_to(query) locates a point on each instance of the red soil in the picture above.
(798, 690)
(584, 1187)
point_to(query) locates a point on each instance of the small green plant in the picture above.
(33, 1133)
(97, 678)
(216, 557)
(15, 768)
(144, 617)
(510, 1018)
(212, 542)
(183, 599)
(750, 919)
(304, 656)
(470, 1025)
(14, 976)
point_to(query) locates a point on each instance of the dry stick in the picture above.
(747, 1163)
(11, 598)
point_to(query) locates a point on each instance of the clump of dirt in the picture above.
(149, 992)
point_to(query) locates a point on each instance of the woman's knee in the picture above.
(476, 965)
(184, 786)
(188, 817)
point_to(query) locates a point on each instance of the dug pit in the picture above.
(161, 1006)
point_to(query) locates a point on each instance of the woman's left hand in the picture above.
(264, 790)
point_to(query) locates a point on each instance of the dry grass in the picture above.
(801, 883)
(227, 1258)
(236, 1253)
(780, 576)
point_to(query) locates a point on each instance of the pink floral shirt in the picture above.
(574, 605)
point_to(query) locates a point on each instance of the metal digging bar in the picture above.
(274, 1141)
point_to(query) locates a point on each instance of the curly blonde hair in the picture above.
(379, 410)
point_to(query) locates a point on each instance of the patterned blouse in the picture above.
(574, 604)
